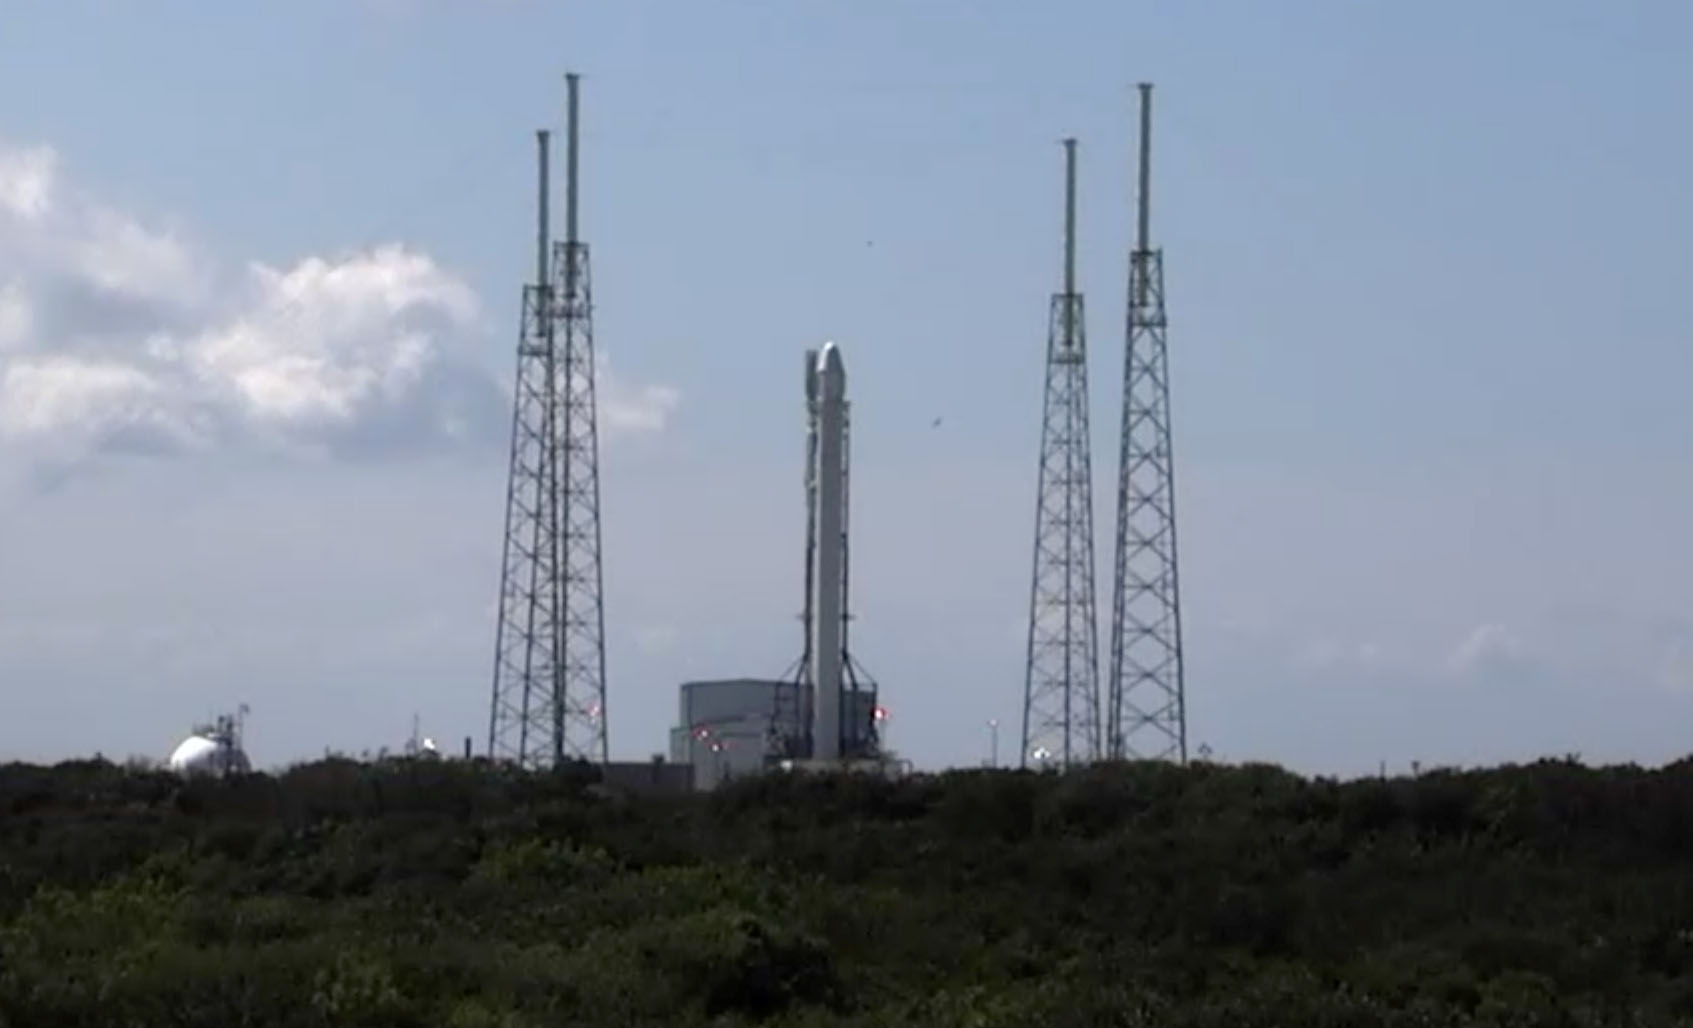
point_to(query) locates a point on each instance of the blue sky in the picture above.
(1424, 264)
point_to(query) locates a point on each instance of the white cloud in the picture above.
(122, 257)
(1488, 648)
(117, 336)
(629, 409)
(318, 343)
(48, 393)
(26, 181)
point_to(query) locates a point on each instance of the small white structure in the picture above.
(420, 746)
(213, 749)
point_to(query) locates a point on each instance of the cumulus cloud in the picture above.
(120, 337)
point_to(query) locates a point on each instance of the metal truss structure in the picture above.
(1061, 723)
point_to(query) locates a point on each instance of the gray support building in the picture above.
(724, 727)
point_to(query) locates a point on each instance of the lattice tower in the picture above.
(1147, 698)
(549, 702)
(1061, 723)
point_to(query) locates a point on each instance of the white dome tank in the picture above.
(199, 755)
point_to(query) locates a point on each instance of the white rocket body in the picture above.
(827, 651)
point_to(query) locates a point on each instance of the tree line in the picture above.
(402, 892)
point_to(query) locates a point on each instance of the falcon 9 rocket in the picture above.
(828, 652)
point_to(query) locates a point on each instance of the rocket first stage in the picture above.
(826, 383)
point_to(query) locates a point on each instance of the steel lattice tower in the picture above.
(1147, 700)
(549, 696)
(1061, 684)
(524, 722)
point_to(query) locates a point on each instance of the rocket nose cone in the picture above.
(829, 359)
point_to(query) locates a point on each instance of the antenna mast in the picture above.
(521, 725)
(582, 703)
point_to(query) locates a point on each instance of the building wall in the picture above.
(727, 697)
(723, 729)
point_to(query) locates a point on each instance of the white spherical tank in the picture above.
(199, 755)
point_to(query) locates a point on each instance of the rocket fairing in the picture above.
(826, 389)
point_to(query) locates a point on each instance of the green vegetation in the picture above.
(445, 894)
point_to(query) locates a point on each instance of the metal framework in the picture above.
(790, 718)
(1147, 697)
(549, 695)
(1061, 724)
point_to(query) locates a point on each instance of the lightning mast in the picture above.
(583, 693)
(1061, 681)
(1147, 697)
(523, 723)
(549, 664)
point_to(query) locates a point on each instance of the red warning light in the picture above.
(880, 713)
